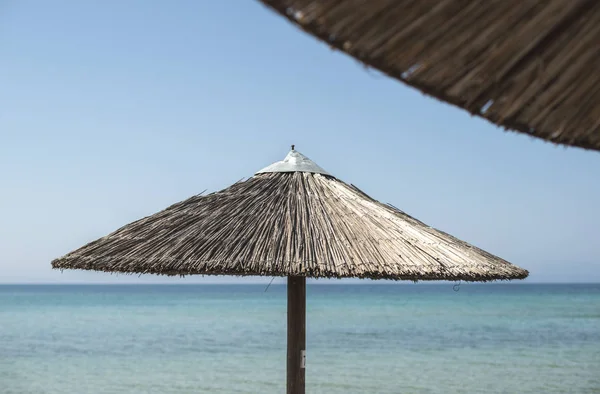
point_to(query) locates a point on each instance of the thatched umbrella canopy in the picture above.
(290, 219)
(529, 66)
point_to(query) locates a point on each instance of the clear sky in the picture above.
(112, 110)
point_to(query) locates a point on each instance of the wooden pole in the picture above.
(296, 334)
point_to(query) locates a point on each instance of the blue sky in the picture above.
(110, 111)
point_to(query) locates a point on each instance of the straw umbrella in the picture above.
(528, 66)
(290, 219)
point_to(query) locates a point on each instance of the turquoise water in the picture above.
(485, 338)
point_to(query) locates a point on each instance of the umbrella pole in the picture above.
(296, 334)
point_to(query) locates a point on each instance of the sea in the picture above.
(363, 338)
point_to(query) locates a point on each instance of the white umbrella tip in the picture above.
(294, 162)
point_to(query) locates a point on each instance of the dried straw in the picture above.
(282, 224)
(527, 65)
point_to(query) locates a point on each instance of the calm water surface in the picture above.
(490, 338)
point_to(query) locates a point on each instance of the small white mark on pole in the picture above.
(303, 359)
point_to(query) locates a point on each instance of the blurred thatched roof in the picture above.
(281, 223)
(527, 65)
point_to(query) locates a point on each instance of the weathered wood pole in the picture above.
(296, 334)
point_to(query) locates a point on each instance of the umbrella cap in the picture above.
(294, 162)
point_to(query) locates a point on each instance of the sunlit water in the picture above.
(490, 338)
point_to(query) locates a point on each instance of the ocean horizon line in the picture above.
(331, 283)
